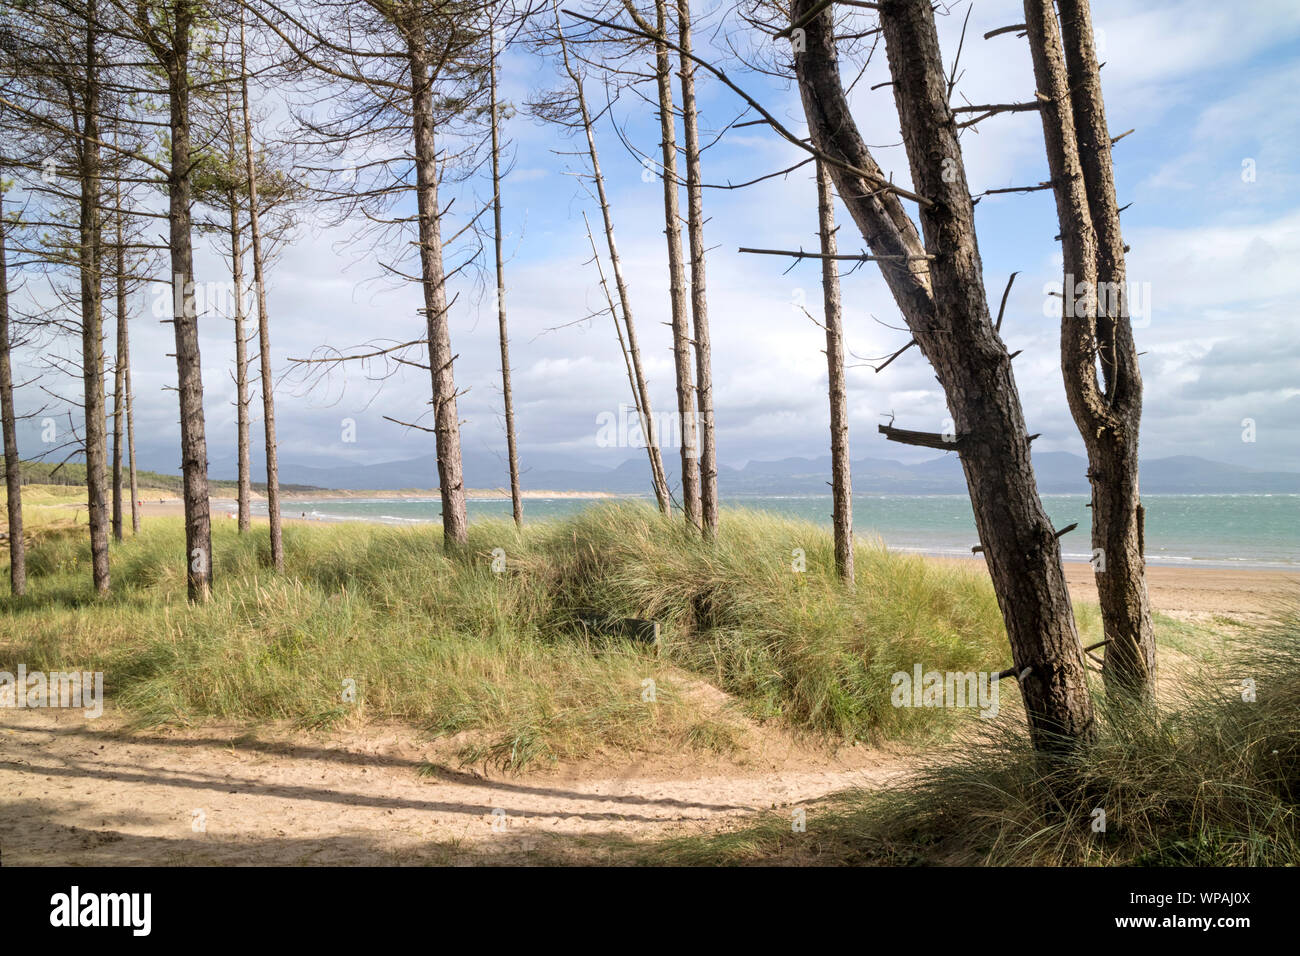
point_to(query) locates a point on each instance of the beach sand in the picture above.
(1203, 593)
(1194, 594)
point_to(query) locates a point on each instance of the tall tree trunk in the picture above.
(1117, 513)
(92, 316)
(691, 501)
(189, 369)
(130, 429)
(244, 467)
(841, 476)
(641, 391)
(13, 465)
(451, 482)
(516, 496)
(943, 301)
(122, 391)
(699, 297)
(119, 368)
(263, 318)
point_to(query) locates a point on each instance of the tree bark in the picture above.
(451, 483)
(641, 391)
(244, 466)
(263, 319)
(194, 445)
(130, 436)
(124, 357)
(13, 464)
(1095, 325)
(699, 298)
(841, 477)
(944, 304)
(119, 369)
(691, 499)
(516, 496)
(92, 315)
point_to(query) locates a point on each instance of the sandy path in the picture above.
(74, 791)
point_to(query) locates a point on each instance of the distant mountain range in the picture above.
(1057, 472)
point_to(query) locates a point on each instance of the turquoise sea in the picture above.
(1245, 531)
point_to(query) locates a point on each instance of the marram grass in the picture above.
(448, 644)
(1210, 777)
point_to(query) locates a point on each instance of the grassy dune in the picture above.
(448, 644)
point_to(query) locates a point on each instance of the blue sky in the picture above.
(1214, 228)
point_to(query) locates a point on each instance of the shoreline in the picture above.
(222, 507)
(1188, 593)
(405, 494)
(418, 494)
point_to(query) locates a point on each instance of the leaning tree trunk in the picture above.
(13, 465)
(189, 369)
(939, 288)
(699, 298)
(451, 482)
(516, 495)
(263, 319)
(691, 501)
(92, 321)
(641, 391)
(841, 477)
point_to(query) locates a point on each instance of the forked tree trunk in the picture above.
(841, 476)
(92, 317)
(1096, 329)
(691, 502)
(699, 297)
(263, 319)
(641, 391)
(451, 483)
(13, 465)
(516, 495)
(943, 301)
(189, 369)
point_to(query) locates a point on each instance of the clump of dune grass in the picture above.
(511, 658)
(1210, 777)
